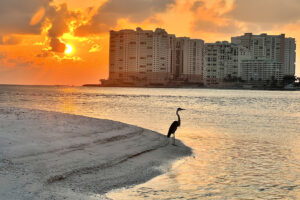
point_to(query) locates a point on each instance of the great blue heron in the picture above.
(174, 125)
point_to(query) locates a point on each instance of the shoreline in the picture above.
(51, 155)
(192, 87)
(159, 87)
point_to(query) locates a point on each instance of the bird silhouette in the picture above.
(174, 126)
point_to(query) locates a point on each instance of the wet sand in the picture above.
(50, 155)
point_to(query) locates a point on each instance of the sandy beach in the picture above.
(50, 155)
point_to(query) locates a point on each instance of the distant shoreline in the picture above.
(171, 87)
(195, 87)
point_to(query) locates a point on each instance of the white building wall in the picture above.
(261, 70)
(258, 48)
(277, 48)
(211, 63)
(161, 56)
(244, 54)
(190, 55)
(289, 57)
(223, 61)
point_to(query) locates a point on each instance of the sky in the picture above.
(65, 42)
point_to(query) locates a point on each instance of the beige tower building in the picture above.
(189, 59)
(223, 62)
(154, 57)
(272, 49)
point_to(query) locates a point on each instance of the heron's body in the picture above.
(174, 125)
(173, 128)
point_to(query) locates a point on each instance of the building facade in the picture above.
(154, 57)
(275, 48)
(261, 71)
(223, 62)
(289, 57)
(146, 57)
(189, 59)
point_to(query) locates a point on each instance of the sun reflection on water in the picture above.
(67, 104)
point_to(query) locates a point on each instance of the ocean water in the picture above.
(246, 143)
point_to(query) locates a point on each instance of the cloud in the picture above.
(29, 16)
(57, 45)
(196, 5)
(12, 62)
(211, 17)
(2, 56)
(9, 40)
(37, 17)
(135, 10)
(59, 17)
(43, 54)
(211, 26)
(16, 15)
(266, 12)
(95, 48)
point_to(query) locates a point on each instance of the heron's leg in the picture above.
(174, 139)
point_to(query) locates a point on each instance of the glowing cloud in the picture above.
(37, 17)
(68, 49)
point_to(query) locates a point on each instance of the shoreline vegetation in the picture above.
(288, 82)
(196, 87)
(51, 155)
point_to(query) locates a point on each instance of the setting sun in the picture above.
(69, 49)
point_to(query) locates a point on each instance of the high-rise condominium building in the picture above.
(289, 56)
(273, 48)
(189, 59)
(154, 57)
(260, 70)
(141, 55)
(223, 62)
(163, 56)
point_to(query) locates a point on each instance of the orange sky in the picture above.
(34, 33)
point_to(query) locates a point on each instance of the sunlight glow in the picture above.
(69, 49)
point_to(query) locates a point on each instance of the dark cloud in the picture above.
(57, 45)
(135, 10)
(60, 18)
(196, 5)
(28, 16)
(15, 16)
(43, 54)
(209, 26)
(266, 11)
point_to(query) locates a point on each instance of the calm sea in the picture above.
(246, 143)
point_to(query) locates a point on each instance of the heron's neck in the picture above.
(178, 118)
